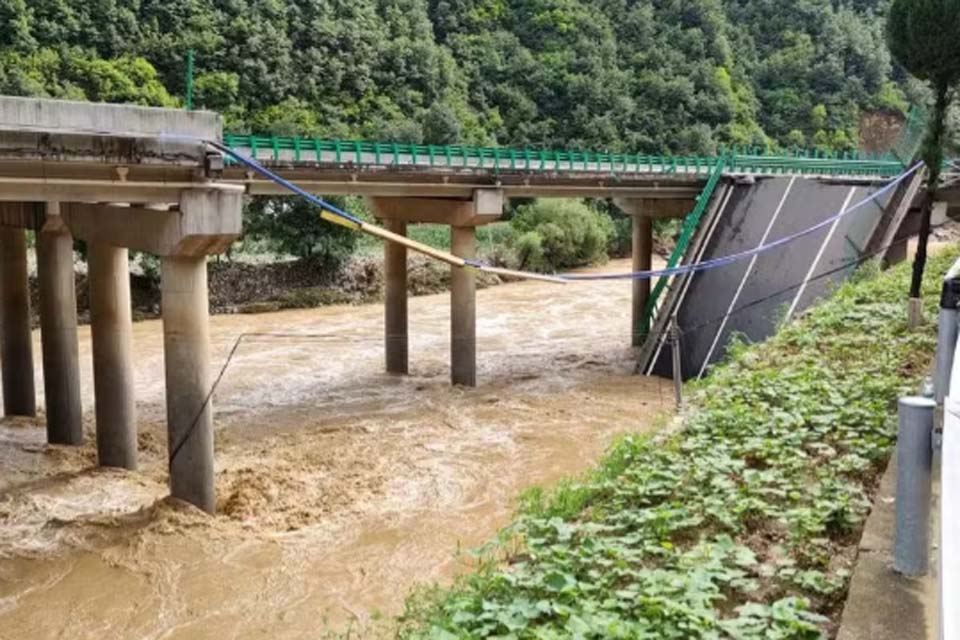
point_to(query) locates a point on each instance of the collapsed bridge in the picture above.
(155, 180)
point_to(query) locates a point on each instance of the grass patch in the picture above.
(743, 524)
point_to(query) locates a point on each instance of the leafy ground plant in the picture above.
(743, 524)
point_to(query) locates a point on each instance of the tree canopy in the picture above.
(924, 35)
(637, 75)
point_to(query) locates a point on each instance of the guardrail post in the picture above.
(914, 468)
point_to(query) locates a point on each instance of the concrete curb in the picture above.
(882, 604)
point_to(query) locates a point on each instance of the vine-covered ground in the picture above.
(742, 524)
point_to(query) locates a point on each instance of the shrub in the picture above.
(497, 244)
(530, 252)
(559, 234)
(621, 240)
(294, 227)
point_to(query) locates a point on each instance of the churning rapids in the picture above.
(339, 488)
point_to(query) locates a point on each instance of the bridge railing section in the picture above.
(315, 151)
(947, 390)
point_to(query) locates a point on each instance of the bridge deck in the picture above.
(373, 168)
(56, 150)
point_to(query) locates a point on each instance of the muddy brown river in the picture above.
(339, 488)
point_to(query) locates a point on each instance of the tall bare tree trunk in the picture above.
(933, 157)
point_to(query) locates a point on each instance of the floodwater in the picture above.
(339, 488)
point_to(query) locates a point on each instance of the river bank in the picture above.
(243, 286)
(743, 523)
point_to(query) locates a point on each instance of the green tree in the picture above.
(291, 226)
(441, 125)
(559, 234)
(924, 36)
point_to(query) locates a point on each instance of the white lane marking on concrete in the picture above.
(689, 277)
(746, 275)
(816, 260)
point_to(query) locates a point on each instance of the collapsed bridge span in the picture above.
(750, 297)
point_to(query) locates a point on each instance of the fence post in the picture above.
(677, 362)
(914, 468)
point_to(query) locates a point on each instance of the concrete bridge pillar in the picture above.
(395, 301)
(643, 211)
(463, 310)
(206, 221)
(186, 353)
(642, 252)
(462, 215)
(111, 329)
(16, 345)
(58, 330)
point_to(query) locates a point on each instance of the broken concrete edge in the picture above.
(43, 115)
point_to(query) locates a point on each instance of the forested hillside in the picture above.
(637, 75)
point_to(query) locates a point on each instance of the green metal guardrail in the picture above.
(689, 227)
(744, 159)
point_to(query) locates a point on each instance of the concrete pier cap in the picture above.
(205, 221)
(462, 216)
(484, 207)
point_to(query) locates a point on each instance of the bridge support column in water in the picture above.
(642, 251)
(16, 344)
(462, 216)
(186, 356)
(463, 310)
(643, 211)
(58, 330)
(111, 329)
(206, 221)
(395, 302)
